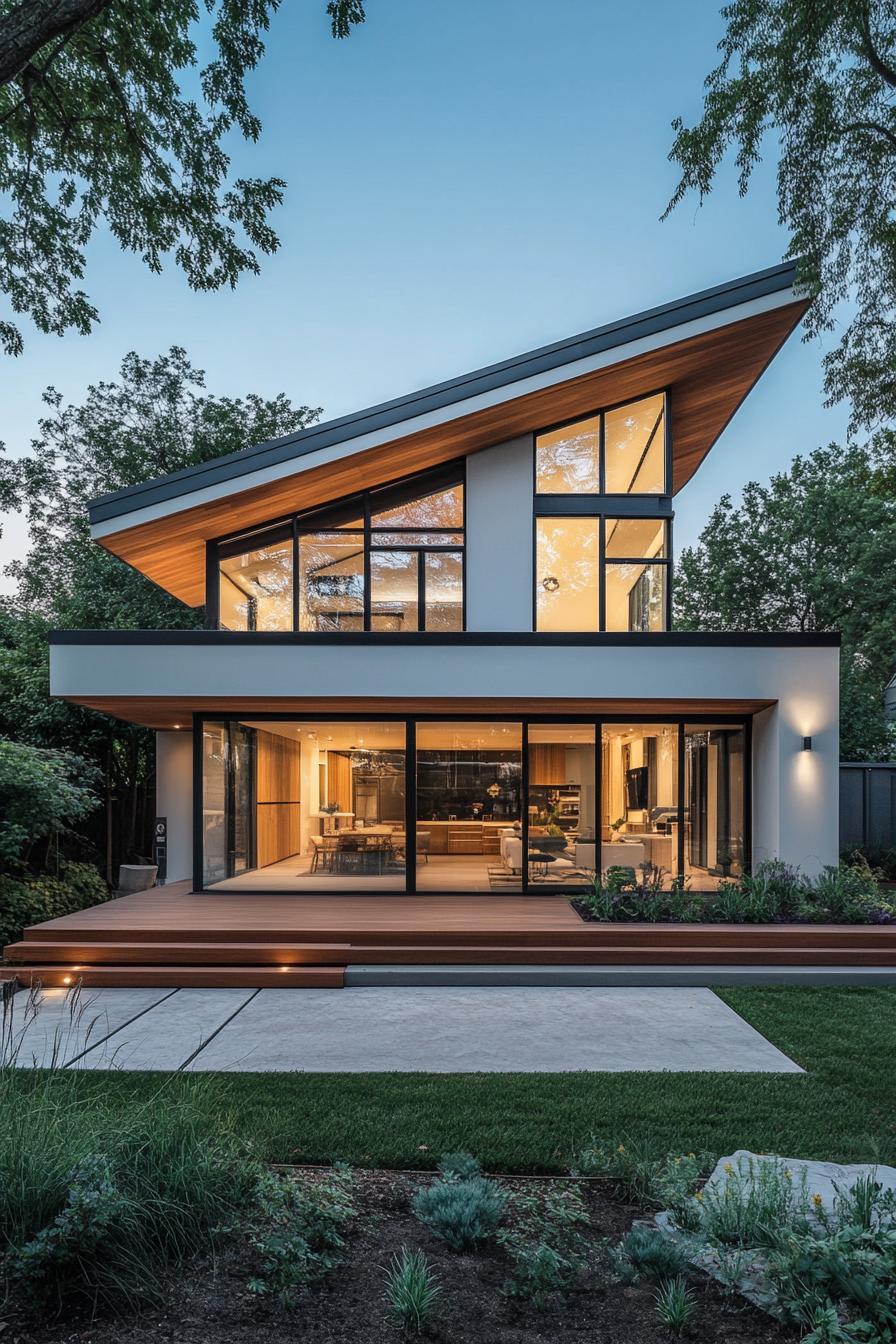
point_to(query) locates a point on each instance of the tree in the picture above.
(96, 125)
(154, 419)
(815, 549)
(42, 793)
(821, 74)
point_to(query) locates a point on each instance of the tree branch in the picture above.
(875, 60)
(28, 27)
(873, 126)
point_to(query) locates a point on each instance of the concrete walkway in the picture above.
(407, 1030)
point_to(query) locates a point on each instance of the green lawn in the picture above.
(843, 1109)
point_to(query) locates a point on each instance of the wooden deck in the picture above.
(172, 936)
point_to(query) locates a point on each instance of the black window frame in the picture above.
(603, 505)
(410, 721)
(602, 563)
(363, 505)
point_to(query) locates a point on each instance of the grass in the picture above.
(843, 1109)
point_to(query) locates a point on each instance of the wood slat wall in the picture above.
(339, 781)
(708, 377)
(547, 764)
(277, 777)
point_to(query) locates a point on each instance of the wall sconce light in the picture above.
(807, 744)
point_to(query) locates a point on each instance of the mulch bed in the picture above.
(207, 1302)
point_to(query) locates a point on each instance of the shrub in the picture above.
(58, 1261)
(669, 1182)
(546, 1242)
(845, 1259)
(749, 1208)
(297, 1231)
(161, 1190)
(645, 1253)
(461, 1212)
(411, 1289)
(459, 1166)
(848, 894)
(675, 1305)
(31, 900)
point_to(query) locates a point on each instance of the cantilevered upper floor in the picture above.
(534, 495)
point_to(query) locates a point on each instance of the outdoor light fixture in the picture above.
(807, 744)
(550, 584)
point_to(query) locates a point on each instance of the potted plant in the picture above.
(616, 829)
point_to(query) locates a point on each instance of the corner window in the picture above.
(390, 559)
(621, 451)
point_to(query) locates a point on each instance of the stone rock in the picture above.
(744, 1271)
(818, 1178)
(136, 877)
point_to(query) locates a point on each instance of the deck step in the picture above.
(75, 955)
(72, 933)
(179, 977)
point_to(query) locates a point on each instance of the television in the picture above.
(636, 787)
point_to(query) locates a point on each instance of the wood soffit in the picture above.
(708, 376)
(166, 712)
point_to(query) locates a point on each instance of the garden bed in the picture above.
(207, 1301)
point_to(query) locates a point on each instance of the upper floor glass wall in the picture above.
(391, 559)
(616, 452)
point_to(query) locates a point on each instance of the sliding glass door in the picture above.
(430, 804)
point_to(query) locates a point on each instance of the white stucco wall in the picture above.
(795, 792)
(174, 800)
(499, 494)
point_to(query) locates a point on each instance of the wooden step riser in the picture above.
(178, 977)
(645, 935)
(463, 955)
(74, 955)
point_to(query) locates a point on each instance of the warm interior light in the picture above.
(177, 725)
(66, 979)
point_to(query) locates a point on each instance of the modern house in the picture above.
(437, 657)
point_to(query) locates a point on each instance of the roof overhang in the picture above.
(161, 678)
(708, 351)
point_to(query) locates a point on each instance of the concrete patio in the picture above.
(437, 1029)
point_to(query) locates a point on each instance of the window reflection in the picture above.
(567, 460)
(331, 581)
(634, 448)
(405, 541)
(256, 589)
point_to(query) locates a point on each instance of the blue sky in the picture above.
(465, 181)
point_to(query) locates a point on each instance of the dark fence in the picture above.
(868, 807)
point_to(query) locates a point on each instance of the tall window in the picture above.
(390, 559)
(599, 566)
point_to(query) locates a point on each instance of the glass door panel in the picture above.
(214, 802)
(469, 807)
(715, 803)
(561, 805)
(639, 801)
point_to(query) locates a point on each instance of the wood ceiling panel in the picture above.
(168, 712)
(708, 376)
